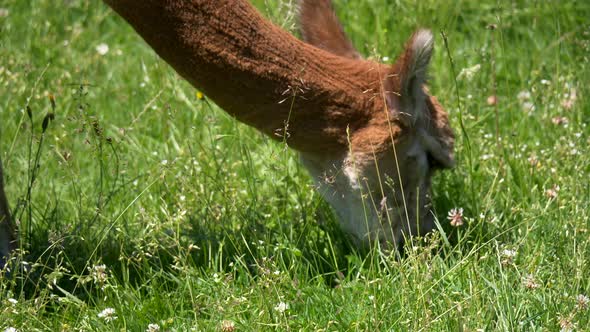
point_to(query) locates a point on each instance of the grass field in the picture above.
(143, 206)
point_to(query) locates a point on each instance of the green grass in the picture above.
(202, 223)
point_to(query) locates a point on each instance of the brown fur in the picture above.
(253, 65)
(320, 27)
(367, 120)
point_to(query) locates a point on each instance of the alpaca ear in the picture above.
(321, 28)
(412, 68)
(437, 135)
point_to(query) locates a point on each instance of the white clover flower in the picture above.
(282, 307)
(153, 328)
(228, 326)
(523, 95)
(582, 302)
(102, 49)
(570, 99)
(487, 156)
(530, 282)
(552, 192)
(469, 72)
(10, 329)
(508, 253)
(566, 324)
(533, 161)
(13, 301)
(108, 315)
(456, 217)
(528, 106)
(492, 100)
(560, 120)
(508, 256)
(99, 273)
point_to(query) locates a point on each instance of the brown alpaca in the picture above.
(369, 134)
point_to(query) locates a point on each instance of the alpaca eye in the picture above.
(433, 163)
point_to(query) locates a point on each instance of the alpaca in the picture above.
(354, 122)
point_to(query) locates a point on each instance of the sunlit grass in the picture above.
(152, 206)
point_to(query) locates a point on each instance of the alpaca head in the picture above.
(380, 187)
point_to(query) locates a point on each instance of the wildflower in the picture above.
(108, 315)
(566, 324)
(4, 12)
(492, 100)
(534, 161)
(568, 103)
(456, 217)
(582, 302)
(153, 328)
(227, 326)
(102, 49)
(282, 307)
(530, 282)
(199, 95)
(507, 253)
(552, 192)
(528, 106)
(10, 329)
(469, 72)
(99, 274)
(545, 82)
(13, 301)
(165, 162)
(523, 95)
(560, 120)
(507, 256)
